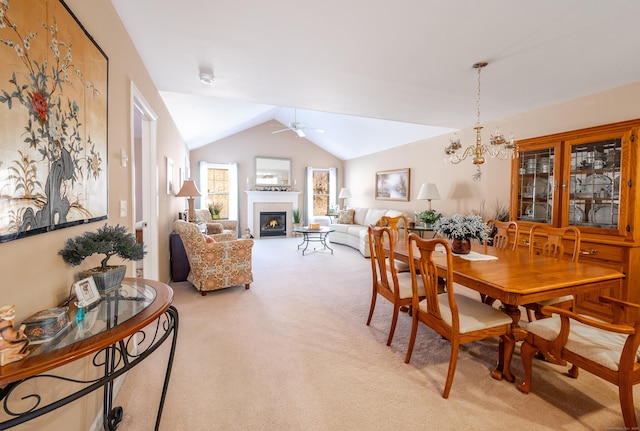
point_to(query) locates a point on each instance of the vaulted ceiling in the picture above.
(375, 74)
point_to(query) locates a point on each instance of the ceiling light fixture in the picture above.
(207, 78)
(499, 147)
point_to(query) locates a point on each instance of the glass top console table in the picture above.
(118, 333)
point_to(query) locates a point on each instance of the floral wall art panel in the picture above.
(53, 120)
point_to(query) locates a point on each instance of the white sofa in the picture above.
(356, 235)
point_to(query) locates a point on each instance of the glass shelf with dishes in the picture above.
(536, 186)
(594, 183)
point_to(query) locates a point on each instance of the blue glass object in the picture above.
(80, 314)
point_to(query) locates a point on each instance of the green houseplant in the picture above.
(296, 216)
(429, 217)
(215, 210)
(108, 241)
(460, 230)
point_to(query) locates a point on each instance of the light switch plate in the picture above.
(123, 208)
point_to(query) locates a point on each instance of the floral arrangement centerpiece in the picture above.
(460, 230)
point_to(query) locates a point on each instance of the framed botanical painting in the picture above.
(53, 120)
(393, 185)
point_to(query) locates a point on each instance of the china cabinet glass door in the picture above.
(594, 183)
(535, 185)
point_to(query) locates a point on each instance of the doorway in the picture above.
(145, 193)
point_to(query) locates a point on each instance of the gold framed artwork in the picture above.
(53, 120)
(393, 185)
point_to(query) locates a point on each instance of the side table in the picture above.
(179, 263)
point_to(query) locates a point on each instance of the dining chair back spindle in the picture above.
(458, 318)
(506, 231)
(398, 227)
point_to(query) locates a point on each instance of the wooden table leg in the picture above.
(517, 333)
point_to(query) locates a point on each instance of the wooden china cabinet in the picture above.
(586, 178)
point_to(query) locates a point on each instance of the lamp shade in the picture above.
(428, 191)
(189, 189)
(344, 193)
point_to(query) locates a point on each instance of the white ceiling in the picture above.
(375, 74)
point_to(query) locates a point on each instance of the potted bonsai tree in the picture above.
(108, 241)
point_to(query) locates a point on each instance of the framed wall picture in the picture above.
(393, 185)
(170, 185)
(86, 292)
(53, 117)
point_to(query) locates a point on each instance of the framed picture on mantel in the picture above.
(393, 185)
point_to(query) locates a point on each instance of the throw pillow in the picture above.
(213, 228)
(207, 238)
(345, 216)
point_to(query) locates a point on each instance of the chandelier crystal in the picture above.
(498, 147)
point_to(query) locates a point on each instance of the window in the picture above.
(321, 191)
(218, 190)
(219, 185)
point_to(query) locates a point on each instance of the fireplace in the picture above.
(273, 223)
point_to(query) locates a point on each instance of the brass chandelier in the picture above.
(498, 147)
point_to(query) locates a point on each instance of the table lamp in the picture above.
(189, 190)
(345, 193)
(428, 191)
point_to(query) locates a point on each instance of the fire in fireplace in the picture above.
(273, 223)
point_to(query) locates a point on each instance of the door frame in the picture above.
(148, 136)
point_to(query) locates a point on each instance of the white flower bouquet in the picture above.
(461, 227)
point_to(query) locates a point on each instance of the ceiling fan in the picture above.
(298, 127)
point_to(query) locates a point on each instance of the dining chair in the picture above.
(387, 282)
(607, 350)
(398, 226)
(505, 230)
(550, 241)
(458, 318)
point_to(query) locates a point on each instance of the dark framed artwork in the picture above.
(53, 120)
(393, 185)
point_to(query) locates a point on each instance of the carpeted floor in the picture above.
(294, 353)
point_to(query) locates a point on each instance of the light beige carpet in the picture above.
(294, 353)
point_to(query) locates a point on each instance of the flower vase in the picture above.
(461, 246)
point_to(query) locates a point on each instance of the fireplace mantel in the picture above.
(259, 197)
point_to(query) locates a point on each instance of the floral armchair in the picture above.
(215, 264)
(228, 226)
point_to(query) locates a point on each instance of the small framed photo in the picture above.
(393, 185)
(86, 292)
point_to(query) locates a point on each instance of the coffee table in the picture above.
(318, 235)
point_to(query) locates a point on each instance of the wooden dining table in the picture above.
(516, 278)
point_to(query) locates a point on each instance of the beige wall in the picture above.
(34, 277)
(241, 148)
(458, 191)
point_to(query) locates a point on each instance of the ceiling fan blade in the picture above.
(299, 132)
(281, 130)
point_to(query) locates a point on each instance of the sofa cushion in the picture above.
(345, 216)
(356, 230)
(344, 228)
(359, 215)
(373, 216)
